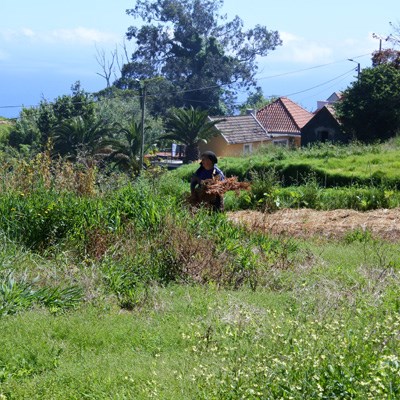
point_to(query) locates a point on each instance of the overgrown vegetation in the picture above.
(112, 287)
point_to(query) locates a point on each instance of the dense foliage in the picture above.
(37, 124)
(189, 126)
(203, 60)
(370, 108)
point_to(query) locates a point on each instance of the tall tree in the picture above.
(205, 57)
(370, 108)
(189, 127)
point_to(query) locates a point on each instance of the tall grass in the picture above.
(123, 291)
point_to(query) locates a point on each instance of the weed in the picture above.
(18, 295)
(358, 235)
(263, 185)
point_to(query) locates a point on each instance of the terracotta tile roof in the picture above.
(241, 129)
(284, 116)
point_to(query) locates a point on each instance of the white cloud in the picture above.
(27, 32)
(79, 36)
(83, 35)
(298, 49)
(287, 37)
(320, 50)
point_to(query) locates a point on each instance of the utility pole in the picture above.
(142, 91)
(358, 69)
(376, 36)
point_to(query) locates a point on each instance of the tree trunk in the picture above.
(192, 153)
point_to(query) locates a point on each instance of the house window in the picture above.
(247, 148)
(280, 142)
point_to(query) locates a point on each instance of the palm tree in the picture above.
(79, 133)
(190, 127)
(125, 151)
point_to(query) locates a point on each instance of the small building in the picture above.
(333, 98)
(284, 119)
(282, 122)
(236, 136)
(322, 127)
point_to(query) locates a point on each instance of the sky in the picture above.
(46, 45)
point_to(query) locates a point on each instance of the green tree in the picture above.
(125, 149)
(117, 107)
(255, 101)
(189, 127)
(79, 134)
(52, 114)
(205, 60)
(370, 108)
(36, 124)
(26, 131)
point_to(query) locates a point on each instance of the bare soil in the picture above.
(306, 223)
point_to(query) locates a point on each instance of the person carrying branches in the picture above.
(207, 173)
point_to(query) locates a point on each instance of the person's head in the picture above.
(208, 159)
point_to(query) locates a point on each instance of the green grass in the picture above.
(319, 335)
(333, 163)
(129, 294)
(324, 324)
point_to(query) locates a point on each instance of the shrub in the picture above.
(18, 295)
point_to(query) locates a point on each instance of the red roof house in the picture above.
(284, 119)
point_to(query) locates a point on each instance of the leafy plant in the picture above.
(190, 127)
(263, 186)
(124, 151)
(18, 295)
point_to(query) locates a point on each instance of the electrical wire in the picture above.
(311, 68)
(227, 84)
(321, 84)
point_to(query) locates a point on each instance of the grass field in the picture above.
(324, 326)
(117, 290)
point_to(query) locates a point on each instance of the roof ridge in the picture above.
(259, 123)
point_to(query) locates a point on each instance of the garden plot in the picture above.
(382, 223)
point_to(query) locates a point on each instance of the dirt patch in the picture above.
(383, 223)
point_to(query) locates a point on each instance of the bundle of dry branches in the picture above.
(211, 191)
(220, 187)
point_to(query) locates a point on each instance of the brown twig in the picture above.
(220, 187)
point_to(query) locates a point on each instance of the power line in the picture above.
(321, 84)
(230, 83)
(309, 68)
(304, 98)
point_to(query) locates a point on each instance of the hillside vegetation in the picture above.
(6, 126)
(326, 176)
(116, 288)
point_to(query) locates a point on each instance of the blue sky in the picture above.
(47, 45)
